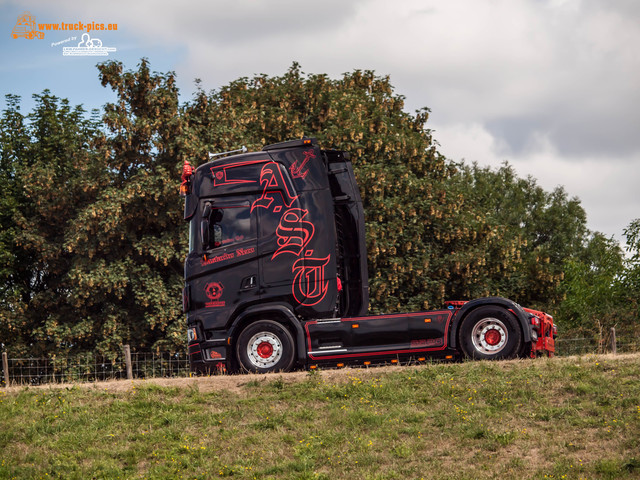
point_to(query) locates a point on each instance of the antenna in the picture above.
(242, 150)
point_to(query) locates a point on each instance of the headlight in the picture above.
(192, 336)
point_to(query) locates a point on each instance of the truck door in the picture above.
(229, 266)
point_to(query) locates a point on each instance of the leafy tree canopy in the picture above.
(92, 239)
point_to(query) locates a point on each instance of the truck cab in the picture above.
(276, 274)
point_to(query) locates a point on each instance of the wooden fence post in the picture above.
(614, 347)
(5, 367)
(127, 360)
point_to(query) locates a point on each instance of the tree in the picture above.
(48, 158)
(14, 278)
(538, 230)
(94, 237)
(631, 276)
(594, 294)
(130, 242)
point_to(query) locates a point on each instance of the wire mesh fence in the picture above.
(91, 368)
(165, 365)
(583, 346)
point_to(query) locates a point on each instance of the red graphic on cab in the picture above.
(294, 233)
(213, 291)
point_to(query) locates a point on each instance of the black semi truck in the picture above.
(276, 275)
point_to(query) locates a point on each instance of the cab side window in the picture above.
(226, 225)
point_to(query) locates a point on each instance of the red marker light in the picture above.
(185, 186)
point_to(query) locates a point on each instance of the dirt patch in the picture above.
(232, 383)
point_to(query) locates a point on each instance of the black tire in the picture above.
(490, 333)
(265, 346)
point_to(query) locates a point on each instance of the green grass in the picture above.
(560, 418)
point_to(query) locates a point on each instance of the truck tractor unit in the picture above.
(276, 275)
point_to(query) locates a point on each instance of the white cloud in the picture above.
(607, 187)
(549, 85)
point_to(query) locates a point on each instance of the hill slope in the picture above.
(576, 417)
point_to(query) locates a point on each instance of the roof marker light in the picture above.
(185, 186)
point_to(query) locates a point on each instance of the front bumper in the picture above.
(207, 356)
(543, 333)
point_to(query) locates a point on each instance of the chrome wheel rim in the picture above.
(264, 350)
(489, 336)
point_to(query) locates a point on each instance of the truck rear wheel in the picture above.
(265, 346)
(490, 333)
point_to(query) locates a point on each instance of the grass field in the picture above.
(576, 417)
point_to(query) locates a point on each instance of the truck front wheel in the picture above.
(265, 346)
(490, 333)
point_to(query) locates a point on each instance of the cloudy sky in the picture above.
(551, 86)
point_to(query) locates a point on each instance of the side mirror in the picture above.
(204, 233)
(206, 211)
(204, 226)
